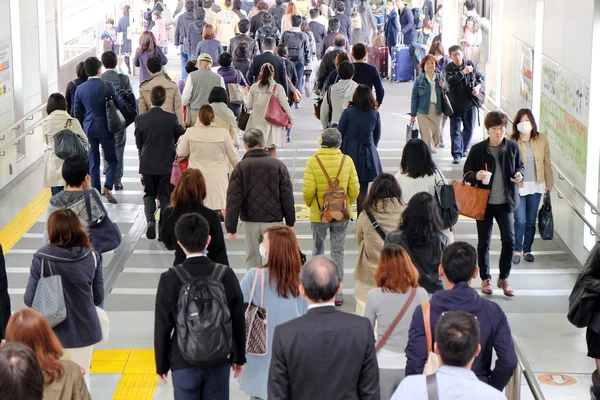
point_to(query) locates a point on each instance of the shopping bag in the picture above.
(411, 132)
(545, 219)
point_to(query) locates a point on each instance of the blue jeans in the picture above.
(184, 59)
(110, 156)
(461, 139)
(198, 383)
(56, 189)
(525, 217)
(299, 74)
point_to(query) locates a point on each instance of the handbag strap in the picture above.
(88, 205)
(432, 387)
(330, 106)
(375, 224)
(426, 309)
(388, 333)
(259, 270)
(441, 176)
(107, 95)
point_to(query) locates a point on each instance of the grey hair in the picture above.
(320, 278)
(254, 138)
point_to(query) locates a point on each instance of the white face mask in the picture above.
(524, 127)
(262, 250)
(438, 58)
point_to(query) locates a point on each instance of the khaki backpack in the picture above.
(335, 200)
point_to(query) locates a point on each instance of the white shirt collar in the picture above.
(94, 77)
(193, 255)
(319, 305)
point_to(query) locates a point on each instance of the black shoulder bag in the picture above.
(444, 194)
(114, 118)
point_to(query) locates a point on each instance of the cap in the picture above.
(205, 57)
(331, 138)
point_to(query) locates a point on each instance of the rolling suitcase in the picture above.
(402, 64)
(378, 56)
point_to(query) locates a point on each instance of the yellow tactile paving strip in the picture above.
(138, 380)
(24, 220)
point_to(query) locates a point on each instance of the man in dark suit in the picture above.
(244, 28)
(156, 133)
(318, 31)
(325, 354)
(268, 56)
(90, 110)
(345, 22)
(329, 39)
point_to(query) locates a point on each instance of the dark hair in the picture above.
(457, 338)
(157, 13)
(244, 25)
(304, 27)
(158, 95)
(80, 71)
(266, 19)
(189, 5)
(361, 6)
(384, 186)
(475, 24)
(65, 230)
(207, 3)
(416, 160)
(109, 59)
(241, 51)
(345, 70)
(154, 64)
(237, 5)
(340, 6)
(254, 138)
(92, 66)
(495, 118)
(454, 48)
(296, 20)
(421, 220)
(208, 32)
(334, 25)
(192, 231)
(279, 2)
(190, 66)
(520, 114)
(437, 48)
(74, 171)
(56, 101)
(268, 43)
(341, 57)
(424, 61)
(359, 51)
(266, 72)
(218, 94)
(199, 14)
(470, 5)
(282, 51)
(459, 262)
(20, 373)
(190, 188)
(147, 42)
(320, 278)
(228, 3)
(363, 98)
(284, 261)
(206, 114)
(110, 21)
(339, 40)
(314, 13)
(225, 59)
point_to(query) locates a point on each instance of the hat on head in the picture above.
(331, 138)
(205, 57)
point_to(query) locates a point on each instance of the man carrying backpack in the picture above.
(298, 48)
(331, 175)
(200, 359)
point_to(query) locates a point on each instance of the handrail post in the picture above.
(513, 389)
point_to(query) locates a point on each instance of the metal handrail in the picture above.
(513, 389)
(17, 125)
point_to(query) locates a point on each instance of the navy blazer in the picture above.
(407, 22)
(273, 59)
(90, 106)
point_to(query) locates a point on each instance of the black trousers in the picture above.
(506, 222)
(156, 187)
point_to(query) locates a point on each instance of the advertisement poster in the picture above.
(526, 76)
(564, 112)
(5, 70)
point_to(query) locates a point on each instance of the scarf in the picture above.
(223, 112)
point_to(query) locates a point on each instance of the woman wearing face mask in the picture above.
(538, 180)
(276, 288)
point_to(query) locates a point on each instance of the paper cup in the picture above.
(487, 177)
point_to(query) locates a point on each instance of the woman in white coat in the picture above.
(258, 103)
(58, 118)
(210, 149)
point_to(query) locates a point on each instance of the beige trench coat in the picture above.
(173, 101)
(258, 103)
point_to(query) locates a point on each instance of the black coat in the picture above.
(319, 31)
(461, 85)
(260, 190)
(308, 353)
(156, 133)
(345, 26)
(511, 161)
(271, 58)
(256, 22)
(216, 249)
(70, 94)
(328, 41)
(290, 69)
(326, 67)
(242, 37)
(4, 297)
(166, 351)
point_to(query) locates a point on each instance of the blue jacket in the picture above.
(494, 334)
(90, 106)
(407, 21)
(421, 95)
(361, 131)
(83, 289)
(391, 28)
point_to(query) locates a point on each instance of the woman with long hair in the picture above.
(420, 234)
(147, 48)
(258, 103)
(241, 61)
(63, 379)
(286, 21)
(396, 279)
(360, 127)
(276, 288)
(188, 197)
(539, 180)
(70, 256)
(383, 207)
(471, 40)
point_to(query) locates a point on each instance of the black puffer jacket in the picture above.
(260, 190)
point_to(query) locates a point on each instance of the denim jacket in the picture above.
(421, 95)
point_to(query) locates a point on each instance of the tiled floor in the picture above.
(536, 313)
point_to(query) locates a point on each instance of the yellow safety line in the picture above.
(24, 220)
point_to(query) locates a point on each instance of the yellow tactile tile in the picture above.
(20, 224)
(109, 361)
(140, 362)
(136, 386)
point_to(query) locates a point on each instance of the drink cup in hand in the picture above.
(486, 178)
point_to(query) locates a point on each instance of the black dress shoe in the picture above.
(118, 186)
(456, 160)
(529, 257)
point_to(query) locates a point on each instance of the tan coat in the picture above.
(70, 385)
(370, 244)
(543, 165)
(211, 150)
(54, 123)
(173, 101)
(258, 103)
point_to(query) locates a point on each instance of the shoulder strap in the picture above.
(181, 274)
(426, 309)
(219, 272)
(389, 331)
(432, 387)
(88, 205)
(323, 169)
(375, 224)
(329, 104)
(441, 176)
(107, 95)
(337, 176)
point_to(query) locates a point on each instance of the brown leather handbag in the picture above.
(472, 201)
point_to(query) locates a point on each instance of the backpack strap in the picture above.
(219, 272)
(181, 274)
(323, 169)
(337, 176)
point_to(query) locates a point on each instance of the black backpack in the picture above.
(203, 324)
(129, 102)
(293, 41)
(265, 32)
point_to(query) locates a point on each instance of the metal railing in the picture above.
(20, 130)
(68, 68)
(513, 389)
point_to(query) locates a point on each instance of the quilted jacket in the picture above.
(315, 182)
(260, 190)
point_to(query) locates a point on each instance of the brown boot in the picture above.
(486, 287)
(505, 286)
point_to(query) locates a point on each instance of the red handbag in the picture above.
(276, 114)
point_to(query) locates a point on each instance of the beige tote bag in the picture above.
(433, 363)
